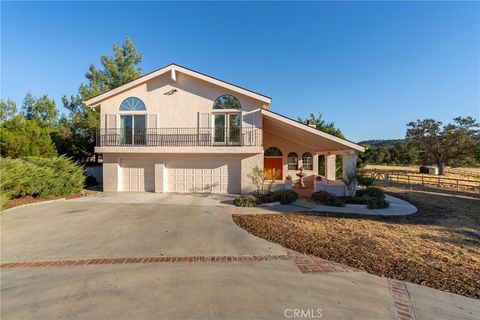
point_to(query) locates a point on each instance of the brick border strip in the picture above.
(305, 263)
(312, 264)
(143, 260)
(402, 302)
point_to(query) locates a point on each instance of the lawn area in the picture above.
(439, 246)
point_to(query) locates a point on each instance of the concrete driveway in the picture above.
(128, 225)
(152, 225)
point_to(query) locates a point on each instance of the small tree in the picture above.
(8, 109)
(445, 144)
(257, 177)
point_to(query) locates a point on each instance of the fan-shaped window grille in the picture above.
(227, 102)
(132, 104)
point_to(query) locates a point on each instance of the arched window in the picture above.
(132, 104)
(292, 161)
(273, 151)
(227, 102)
(307, 161)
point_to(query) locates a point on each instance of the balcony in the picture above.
(179, 137)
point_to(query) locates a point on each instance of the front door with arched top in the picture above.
(273, 168)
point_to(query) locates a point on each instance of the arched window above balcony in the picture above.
(227, 102)
(132, 104)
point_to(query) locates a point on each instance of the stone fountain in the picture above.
(300, 176)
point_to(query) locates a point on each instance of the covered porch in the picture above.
(291, 146)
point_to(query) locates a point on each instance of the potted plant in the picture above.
(319, 185)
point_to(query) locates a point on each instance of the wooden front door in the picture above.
(273, 168)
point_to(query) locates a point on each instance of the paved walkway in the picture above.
(182, 257)
(398, 207)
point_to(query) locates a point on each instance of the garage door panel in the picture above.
(138, 175)
(198, 175)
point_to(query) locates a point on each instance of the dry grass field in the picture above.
(455, 173)
(466, 179)
(439, 246)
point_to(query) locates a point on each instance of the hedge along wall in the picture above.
(40, 177)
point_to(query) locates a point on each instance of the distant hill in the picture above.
(381, 143)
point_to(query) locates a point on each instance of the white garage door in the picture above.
(198, 175)
(138, 175)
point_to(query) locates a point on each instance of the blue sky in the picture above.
(370, 67)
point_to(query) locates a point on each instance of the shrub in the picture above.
(328, 199)
(377, 203)
(3, 200)
(258, 180)
(284, 196)
(90, 181)
(371, 192)
(246, 200)
(365, 181)
(40, 177)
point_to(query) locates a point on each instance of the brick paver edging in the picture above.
(312, 264)
(142, 260)
(305, 263)
(402, 303)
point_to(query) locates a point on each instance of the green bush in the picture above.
(365, 181)
(328, 199)
(371, 192)
(246, 200)
(40, 177)
(284, 196)
(377, 203)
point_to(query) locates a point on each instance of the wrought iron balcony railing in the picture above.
(179, 137)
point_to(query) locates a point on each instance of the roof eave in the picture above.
(344, 142)
(96, 100)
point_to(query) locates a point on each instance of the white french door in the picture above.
(226, 128)
(132, 129)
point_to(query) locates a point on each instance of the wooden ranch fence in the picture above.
(427, 181)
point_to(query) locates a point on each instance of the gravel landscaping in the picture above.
(439, 246)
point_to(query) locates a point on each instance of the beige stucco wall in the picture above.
(285, 145)
(247, 165)
(179, 109)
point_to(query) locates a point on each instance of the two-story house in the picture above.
(178, 130)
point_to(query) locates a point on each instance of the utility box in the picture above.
(429, 170)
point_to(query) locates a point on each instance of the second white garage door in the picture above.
(138, 175)
(199, 175)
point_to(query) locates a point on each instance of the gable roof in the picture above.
(173, 68)
(326, 140)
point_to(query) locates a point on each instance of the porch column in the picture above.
(349, 164)
(330, 167)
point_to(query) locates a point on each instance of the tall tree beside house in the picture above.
(450, 144)
(76, 137)
(41, 109)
